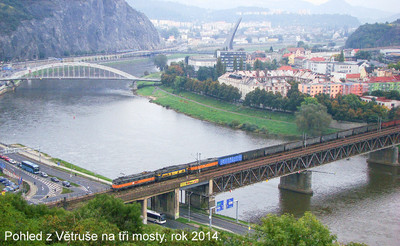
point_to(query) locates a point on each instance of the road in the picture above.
(218, 223)
(46, 190)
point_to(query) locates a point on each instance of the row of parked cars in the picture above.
(7, 159)
(10, 185)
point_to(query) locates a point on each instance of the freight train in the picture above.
(175, 171)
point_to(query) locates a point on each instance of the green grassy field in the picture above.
(223, 113)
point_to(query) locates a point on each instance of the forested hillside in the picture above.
(375, 35)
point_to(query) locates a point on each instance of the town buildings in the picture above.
(247, 81)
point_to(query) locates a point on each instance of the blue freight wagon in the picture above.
(230, 159)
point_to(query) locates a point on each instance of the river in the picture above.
(101, 126)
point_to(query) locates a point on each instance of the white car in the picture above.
(44, 175)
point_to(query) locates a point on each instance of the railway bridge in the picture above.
(291, 166)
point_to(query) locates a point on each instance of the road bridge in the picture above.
(291, 166)
(75, 70)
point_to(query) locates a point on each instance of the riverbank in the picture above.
(9, 86)
(273, 124)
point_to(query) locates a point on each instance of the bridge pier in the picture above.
(144, 210)
(389, 156)
(167, 203)
(200, 196)
(134, 86)
(297, 182)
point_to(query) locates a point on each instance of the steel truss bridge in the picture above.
(297, 160)
(277, 165)
(73, 70)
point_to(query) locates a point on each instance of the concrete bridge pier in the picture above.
(200, 196)
(389, 156)
(134, 86)
(167, 203)
(297, 182)
(144, 210)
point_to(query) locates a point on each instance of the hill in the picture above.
(160, 10)
(375, 35)
(51, 28)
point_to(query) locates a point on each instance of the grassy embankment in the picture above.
(223, 113)
(79, 169)
(68, 165)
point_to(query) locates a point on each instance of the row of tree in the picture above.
(106, 215)
(351, 108)
(175, 76)
(268, 100)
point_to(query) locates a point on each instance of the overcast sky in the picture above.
(387, 5)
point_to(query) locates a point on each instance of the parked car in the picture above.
(12, 161)
(7, 189)
(55, 179)
(44, 175)
(15, 187)
(66, 184)
(2, 179)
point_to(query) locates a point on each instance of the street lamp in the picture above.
(189, 194)
(39, 155)
(237, 210)
(210, 216)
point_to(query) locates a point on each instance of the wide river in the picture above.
(101, 126)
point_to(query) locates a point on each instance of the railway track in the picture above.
(172, 184)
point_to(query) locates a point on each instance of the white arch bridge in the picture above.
(74, 70)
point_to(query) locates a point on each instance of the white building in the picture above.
(381, 101)
(202, 61)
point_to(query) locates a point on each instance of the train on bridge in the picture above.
(131, 181)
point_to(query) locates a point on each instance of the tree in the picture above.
(341, 56)
(363, 55)
(125, 216)
(235, 64)
(205, 73)
(241, 64)
(220, 67)
(271, 49)
(286, 230)
(394, 65)
(312, 118)
(160, 61)
(248, 67)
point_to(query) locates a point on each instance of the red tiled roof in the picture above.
(295, 49)
(286, 68)
(263, 59)
(353, 76)
(384, 79)
(317, 59)
(287, 55)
